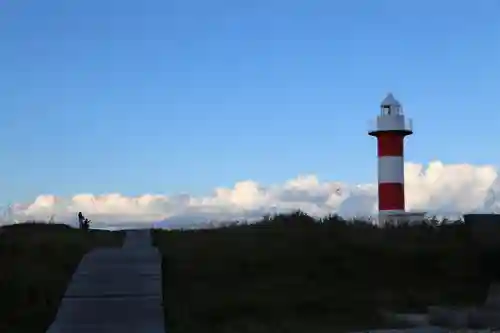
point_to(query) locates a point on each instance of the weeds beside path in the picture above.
(294, 274)
(36, 264)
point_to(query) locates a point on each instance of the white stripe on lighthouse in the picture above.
(391, 169)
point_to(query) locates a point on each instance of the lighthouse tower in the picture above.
(390, 129)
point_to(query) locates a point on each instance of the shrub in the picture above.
(316, 274)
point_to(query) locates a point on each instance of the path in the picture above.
(115, 290)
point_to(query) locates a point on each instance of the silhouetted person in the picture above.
(80, 220)
(86, 224)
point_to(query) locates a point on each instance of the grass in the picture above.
(292, 273)
(36, 263)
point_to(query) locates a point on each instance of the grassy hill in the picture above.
(292, 273)
(37, 261)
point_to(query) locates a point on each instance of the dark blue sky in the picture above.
(183, 96)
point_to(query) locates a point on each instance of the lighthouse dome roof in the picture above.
(389, 100)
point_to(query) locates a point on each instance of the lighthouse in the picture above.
(390, 129)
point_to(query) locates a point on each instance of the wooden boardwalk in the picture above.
(115, 290)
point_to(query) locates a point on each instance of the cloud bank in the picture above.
(436, 188)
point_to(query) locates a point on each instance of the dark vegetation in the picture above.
(292, 273)
(37, 261)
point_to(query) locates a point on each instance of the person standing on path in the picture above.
(80, 219)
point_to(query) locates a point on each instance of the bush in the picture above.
(37, 261)
(294, 273)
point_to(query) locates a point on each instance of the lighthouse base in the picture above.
(395, 217)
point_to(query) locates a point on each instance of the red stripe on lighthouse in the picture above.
(391, 196)
(390, 144)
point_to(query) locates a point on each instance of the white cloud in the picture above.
(436, 188)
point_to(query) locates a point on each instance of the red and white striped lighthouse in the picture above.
(390, 130)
